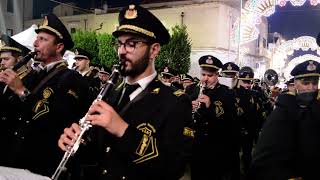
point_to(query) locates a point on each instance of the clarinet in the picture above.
(24, 60)
(195, 113)
(85, 125)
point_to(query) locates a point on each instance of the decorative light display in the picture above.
(304, 43)
(253, 11)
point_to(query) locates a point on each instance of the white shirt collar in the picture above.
(52, 64)
(144, 82)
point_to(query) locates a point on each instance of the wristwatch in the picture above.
(24, 95)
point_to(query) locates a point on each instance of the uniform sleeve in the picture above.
(275, 154)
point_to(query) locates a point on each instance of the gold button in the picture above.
(104, 172)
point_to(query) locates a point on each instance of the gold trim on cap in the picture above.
(245, 78)
(167, 73)
(138, 29)
(7, 48)
(207, 65)
(307, 75)
(52, 30)
(234, 71)
(81, 56)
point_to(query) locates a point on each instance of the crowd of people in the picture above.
(153, 125)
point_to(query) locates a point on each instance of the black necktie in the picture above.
(125, 98)
(42, 73)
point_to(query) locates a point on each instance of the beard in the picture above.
(137, 68)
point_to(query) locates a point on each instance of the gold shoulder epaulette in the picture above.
(291, 93)
(178, 92)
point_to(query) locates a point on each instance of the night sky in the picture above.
(293, 22)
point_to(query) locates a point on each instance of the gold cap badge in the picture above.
(131, 13)
(229, 67)
(209, 60)
(311, 66)
(45, 21)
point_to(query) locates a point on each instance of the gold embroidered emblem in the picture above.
(178, 93)
(156, 91)
(219, 109)
(47, 93)
(42, 106)
(239, 109)
(147, 148)
(247, 76)
(74, 94)
(45, 21)
(76, 52)
(188, 132)
(311, 66)
(229, 67)
(131, 13)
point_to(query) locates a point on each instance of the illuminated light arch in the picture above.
(253, 11)
(304, 43)
(298, 60)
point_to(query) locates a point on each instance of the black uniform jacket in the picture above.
(59, 101)
(289, 143)
(152, 146)
(216, 131)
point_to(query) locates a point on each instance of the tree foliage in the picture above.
(87, 40)
(107, 54)
(176, 54)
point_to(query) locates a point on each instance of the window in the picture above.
(10, 6)
(9, 32)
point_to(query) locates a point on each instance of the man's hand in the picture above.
(13, 81)
(69, 136)
(102, 114)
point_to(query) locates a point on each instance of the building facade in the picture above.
(13, 14)
(210, 25)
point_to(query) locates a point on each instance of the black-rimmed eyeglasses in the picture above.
(129, 46)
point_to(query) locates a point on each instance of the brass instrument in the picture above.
(85, 125)
(271, 77)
